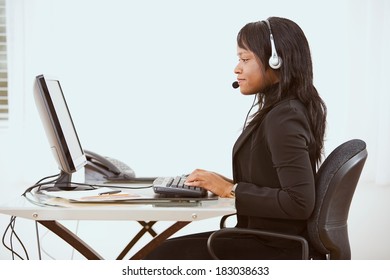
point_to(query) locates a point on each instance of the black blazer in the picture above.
(274, 166)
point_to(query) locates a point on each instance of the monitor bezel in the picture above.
(66, 161)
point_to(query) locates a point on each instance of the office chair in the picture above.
(336, 181)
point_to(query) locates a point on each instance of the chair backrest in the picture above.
(336, 182)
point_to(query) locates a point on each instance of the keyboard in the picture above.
(175, 187)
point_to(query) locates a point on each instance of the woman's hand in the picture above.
(211, 181)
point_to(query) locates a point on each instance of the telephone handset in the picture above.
(101, 168)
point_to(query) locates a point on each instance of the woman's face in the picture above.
(250, 74)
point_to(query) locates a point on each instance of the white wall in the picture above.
(149, 82)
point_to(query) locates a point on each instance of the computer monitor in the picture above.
(60, 129)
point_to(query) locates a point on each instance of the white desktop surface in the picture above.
(182, 213)
(176, 211)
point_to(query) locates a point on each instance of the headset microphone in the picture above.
(235, 85)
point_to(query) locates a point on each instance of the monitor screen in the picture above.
(59, 128)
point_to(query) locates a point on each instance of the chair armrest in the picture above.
(222, 223)
(229, 231)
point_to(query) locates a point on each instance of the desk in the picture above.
(146, 214)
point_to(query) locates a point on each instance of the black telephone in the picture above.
(102, 168)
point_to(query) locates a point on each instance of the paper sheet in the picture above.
(94, 195)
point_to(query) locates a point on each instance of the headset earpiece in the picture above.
(274, 61)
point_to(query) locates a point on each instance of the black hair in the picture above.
(295, 73)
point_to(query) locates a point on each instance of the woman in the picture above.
(275, 157)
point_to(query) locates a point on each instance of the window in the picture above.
(3, 65)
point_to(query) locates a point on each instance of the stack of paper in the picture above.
(102, 194)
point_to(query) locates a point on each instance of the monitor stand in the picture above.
(64, 183)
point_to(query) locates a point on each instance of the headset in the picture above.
(274, 61)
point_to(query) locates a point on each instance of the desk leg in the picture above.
(71, 239)
(146, 227)
(158, 240)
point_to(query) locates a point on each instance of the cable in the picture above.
(119, 187)
(247, 115)
(4, 235)
(76, 232)
(17, 237)
(42, 246)
(38, 184)
(11, 225)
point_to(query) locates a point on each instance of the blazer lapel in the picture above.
(242, 138)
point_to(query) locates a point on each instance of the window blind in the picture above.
(3, 64)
